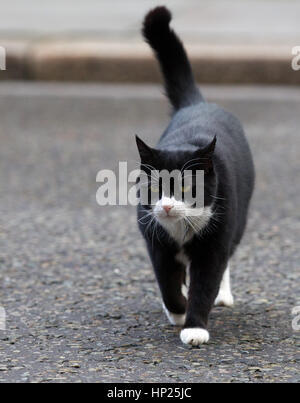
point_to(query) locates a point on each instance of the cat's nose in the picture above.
(167, 208)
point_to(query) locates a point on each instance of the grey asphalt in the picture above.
(81, 301)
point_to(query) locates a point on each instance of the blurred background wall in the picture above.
(99, 40)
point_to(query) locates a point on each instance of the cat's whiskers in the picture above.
(157, 230)
(144, 217)
(217, 197)
(194, 159)
(152, 169)
(191, 224)
(149, 224)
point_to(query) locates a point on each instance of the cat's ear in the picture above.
(146, 152)
(207, 154)
(209, 149)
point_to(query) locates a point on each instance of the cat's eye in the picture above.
(154, 188)
(186, 188)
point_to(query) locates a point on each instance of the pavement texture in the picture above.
(91, 40)
(80, 297)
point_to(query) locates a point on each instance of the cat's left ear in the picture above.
(207, 154)
(210, 148)
(146, 152)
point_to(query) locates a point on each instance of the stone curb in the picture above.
(93, 60)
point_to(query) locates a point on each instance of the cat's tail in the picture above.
(179, 81)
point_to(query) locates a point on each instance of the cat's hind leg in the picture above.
(176, 319)
(186, 284)
(225, 297)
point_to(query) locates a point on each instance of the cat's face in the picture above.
(171, 207)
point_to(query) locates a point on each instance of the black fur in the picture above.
(179, 81)
(197, 129)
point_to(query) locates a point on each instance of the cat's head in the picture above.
(171, 207)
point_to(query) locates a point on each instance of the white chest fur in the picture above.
(184, 229)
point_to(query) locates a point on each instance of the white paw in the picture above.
(224, 299)
(194, 336)
(174, 318)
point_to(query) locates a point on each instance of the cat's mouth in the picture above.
(168, 217)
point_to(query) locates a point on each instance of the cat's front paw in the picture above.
(175, 319)
(194, 336)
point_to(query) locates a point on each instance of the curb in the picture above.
(93, 60)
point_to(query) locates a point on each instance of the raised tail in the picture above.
(178, 76)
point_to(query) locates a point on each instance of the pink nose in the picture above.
(167, 208)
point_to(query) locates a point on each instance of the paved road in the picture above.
(76, 283)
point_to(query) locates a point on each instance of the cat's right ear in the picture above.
(146, 152)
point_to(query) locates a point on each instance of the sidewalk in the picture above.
(228, 41)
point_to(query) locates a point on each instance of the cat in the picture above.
(190, 253)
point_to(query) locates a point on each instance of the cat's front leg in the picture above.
(170, 274)
(205, 277)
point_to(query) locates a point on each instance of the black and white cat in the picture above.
(190, 252)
